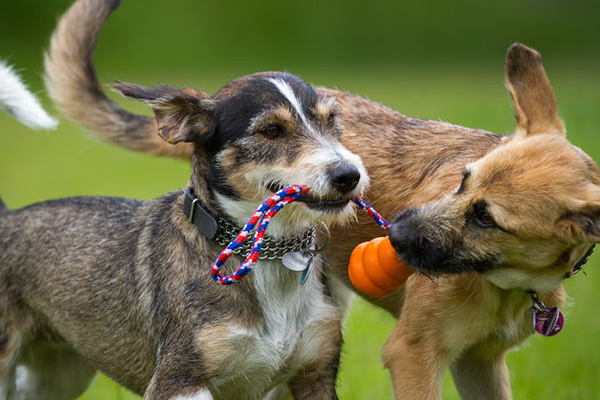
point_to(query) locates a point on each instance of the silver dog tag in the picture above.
(297, 260)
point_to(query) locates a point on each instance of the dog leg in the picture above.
(415, 370)
(11, 335)
(477, 377)
(51, 371)
(190, 394)
(9, 346)
(415, 353)
(174, 381)
(156, 392)
(314, 385)
(203, 394)
(281, 392)
(317, 380)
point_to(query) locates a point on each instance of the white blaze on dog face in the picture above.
(287, 91)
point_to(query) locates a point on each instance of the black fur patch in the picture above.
(236, 111)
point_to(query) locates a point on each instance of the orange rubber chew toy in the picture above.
(375, 268)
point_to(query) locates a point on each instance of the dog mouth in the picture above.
(316, 202)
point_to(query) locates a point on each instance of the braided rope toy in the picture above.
(372, 213)
(261, 217)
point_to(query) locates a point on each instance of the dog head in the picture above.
(258, 134)
(524, 214)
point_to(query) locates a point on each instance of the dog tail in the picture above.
(18, 101)
(72, 83)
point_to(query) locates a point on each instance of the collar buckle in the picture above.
(199, 216)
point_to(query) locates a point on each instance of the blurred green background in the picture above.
(431, 59)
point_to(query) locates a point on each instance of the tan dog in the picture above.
(521, 221)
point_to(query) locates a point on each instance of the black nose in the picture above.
(400, 232)
(345, 178)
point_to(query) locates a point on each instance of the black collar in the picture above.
(199, 216)
(579, 265)
(224, 232)
(576, 268)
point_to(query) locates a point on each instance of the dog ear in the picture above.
(582, 224)
(533, 99)
(182, 115)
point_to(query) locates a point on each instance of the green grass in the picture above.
(37, 166)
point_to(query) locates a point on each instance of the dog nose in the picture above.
(400, 233)
(345, 178)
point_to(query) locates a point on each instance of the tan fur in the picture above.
(530, 183)
(539, 188)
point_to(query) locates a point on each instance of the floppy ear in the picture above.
(182, 115)
(533, 99)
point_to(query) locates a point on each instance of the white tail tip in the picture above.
(18, 101)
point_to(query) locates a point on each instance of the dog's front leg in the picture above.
(202, 394)
(314, 384)
(167, 384)
(478, 377)
(415, 363)
(186, 394)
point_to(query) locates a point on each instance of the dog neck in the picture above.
(539, 280)
(223, 231)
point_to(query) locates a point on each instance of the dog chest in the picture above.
(298, 329)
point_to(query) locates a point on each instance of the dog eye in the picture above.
(484, 219)
(331, 120)
(273, 131)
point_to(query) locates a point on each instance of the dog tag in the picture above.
(306, 272)
(297, 260)
(549, 321)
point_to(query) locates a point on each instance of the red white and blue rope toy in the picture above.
(372, 213)
(262, 216)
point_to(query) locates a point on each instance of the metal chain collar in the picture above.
(271, 248)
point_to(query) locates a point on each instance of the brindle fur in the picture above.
(467, 321)
(123, 286)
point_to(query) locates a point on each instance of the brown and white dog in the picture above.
(124, 286)
(488, 220)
